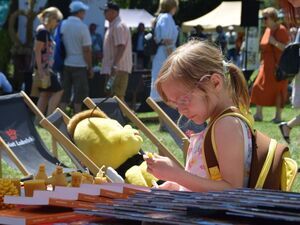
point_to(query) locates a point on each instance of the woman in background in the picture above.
(166, 34)
(267, 91)
(49, 97)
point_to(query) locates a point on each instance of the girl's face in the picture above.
(190, 102)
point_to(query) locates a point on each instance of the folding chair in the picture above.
(20, 142)
(56, 124)
(179, 132)
(118, 105)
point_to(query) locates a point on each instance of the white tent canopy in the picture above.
(226, 14)
(132, 17)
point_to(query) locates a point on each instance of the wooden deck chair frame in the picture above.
(163, 150)
(8, 150)
(170, 123)
(67, 143)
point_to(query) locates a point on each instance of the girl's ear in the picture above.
(216, 81)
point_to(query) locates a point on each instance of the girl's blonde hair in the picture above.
(195, 59)
(48, 14)
(271, 12)
(165, 6)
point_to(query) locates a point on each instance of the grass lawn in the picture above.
(266, 126)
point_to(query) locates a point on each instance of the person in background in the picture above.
(239, 48)
(138, 46)
(286, 127)
(97, 45)
(267, 91)
(197, 33)
(5, 86)
(166, 34)
(231, 38)
(49, 98)
(221, 39)
(78, 61)
(117, 52)
(200, 85)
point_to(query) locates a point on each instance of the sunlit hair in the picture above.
(50, 13)
(195, 59)
(166, 6)
(270, 12)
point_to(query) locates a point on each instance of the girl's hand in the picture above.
(171, 186)
(162, 167)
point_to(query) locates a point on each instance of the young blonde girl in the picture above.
(197, 81)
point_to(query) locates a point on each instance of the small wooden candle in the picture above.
(100, 180)
(87, 178)
(31, 185)
(100, 177)
(76, 179)
(41, 174)
(59, 179)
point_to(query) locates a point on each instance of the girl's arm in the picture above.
(230, 144)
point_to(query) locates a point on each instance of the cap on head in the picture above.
(112, 5)
(77, 6)
(230, 28)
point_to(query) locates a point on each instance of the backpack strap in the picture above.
(209, 142)
(267, 164)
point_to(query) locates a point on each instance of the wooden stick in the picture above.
(14, 158)
(32, 106)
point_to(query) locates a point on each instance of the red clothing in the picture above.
(266, 88)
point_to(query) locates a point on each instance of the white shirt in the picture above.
(75, 35)
(117, 34)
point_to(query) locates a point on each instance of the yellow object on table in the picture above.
(100, 177)
(31, 185)
(58, 177)
(41, 174)
(87, 178)
(76, 179)
(7, 188)
(17, 183)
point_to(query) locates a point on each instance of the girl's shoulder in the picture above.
(227, 124)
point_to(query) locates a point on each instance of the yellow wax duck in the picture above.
(106, 141)
(41, 174)
(58, 177)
